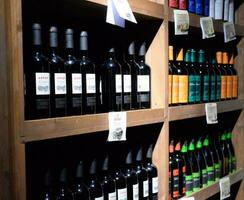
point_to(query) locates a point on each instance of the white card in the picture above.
(113, 16)
(187, 198)
(181, 18)
(229, 31)
(117, 126)
(207, 27)
(211, 113)
(224, 185)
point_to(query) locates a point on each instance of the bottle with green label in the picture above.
(217, 82)
(202, 163)
(225, 167)
(195, 166)
(232, 151)
(220, 152)
(194, 66)
(209, 159)
(188, 177)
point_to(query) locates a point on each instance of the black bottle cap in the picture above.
(48, 179)
(149, 151)
(111, 50)
(93, 167)
(79, 170)
(105, 164)
(129, 158)
(139, 155)
(69, 39)
(53, 36)
(36, 34)
(142, 50)
(63, 175)
(131, 49)
(83, 41)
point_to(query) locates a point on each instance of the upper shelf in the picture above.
(198, 110)
(35, 130)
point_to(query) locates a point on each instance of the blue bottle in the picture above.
(199, 7)
(191, 6)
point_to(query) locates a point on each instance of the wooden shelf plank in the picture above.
(35, 130)
(198, 110)
(144, 7)
(213, 189)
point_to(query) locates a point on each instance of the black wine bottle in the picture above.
(194, 65)
(232, 152)
(121, 187)
(73, 73)
(58, 77)
(95, 189)
(48, 192)
(220, 152)
(88, 77)
(80, 190)
(64, 193)
(107, 182)
(225, 150)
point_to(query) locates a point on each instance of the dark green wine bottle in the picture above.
(232, 151)
(195, 67)
(48, 192)
(191, 78)
(225, 167)
(64, 193)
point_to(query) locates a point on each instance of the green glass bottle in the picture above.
(191, 78)
(232, 162)
(194, 66)
(225, 167)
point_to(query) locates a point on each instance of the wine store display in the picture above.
(73, 85)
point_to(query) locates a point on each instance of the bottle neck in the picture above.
(141, 59)
(69, 51)
(84, 53)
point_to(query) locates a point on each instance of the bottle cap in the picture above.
(231, 59)
(105, 164)
(201, 58)
(213, 61)
(219, 57)
(149, 151)
(171, 146)
(83, 41)
(139, 155)
(129, 158)
(193, 55)
(36, 34)
(93, 167)
(178, 146)
(69, 39)
(79, 170)
(206, 142)
(111, 50)
(142, 50)
(180, 55)
(188, 56)
(131, 49)
(171, 53)
(53, 36)
(223, 137)
(225, 58)
(229, 135)
(191, 146)
(184, 147)
(63, 175)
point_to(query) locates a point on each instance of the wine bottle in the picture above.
(152, 175)
(121, 187)
(213, 73)
(143, 80)
(64, 193)
(231, 11)
(107, 182)
(142, 177)
(226, 10)
(217, 79)
(212, 8)
(234, 78)
(232, 161)
(225, 150)
(57, 77)
(191, 6)
(73, 73)
(206, 8)
(95, 189)
(182, 4)
(223, 91)
(80, 190)
(228, 76)
(220, 153)
(170, 74)
(131, 179)
(173, 3)
(199, 7)
(219, 7)
(38, 96)
(48, 192)
(88, 77)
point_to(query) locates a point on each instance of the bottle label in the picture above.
(218, 87)
(182, 4)
(127, 83)
(212, 92)
(191, 5)
(42, 104)
(206, 88)
(135, 192)
(192, 89)
(118, 83)
(183, 89)
(199, 7)
(99, 198)
(76, 83)
(60, 102)
(60, 83)
(223, 87)
(173, 3)
(145, 188)
(90, 83)
(204, 177)
(229, 87)
(235, 86)
(112, 196)
(91, 101)
(42, 84)
(217, 171)
(189, 184)
(198, 88)
(142, 98)
(122, 194)
(155, 185)
(196, 181)
(127, 99)
(76, 102)
(210, 171)
(175, 183)
(170, 88)
(143, 83)
(175, 89)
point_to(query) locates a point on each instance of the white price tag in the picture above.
(211, 113)
(117, 126)
(207, 27)
(187, 198)
(229, 31)
(224, 185)
(181, 18)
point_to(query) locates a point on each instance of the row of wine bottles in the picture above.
(197, 164)
(56, 87)
(217, 9)
(195, 81)
(133, 181)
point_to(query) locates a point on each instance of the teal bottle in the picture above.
(194, 66)
(191, 78)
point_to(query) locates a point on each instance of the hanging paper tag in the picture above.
(224, 185)
(211, 113)
(113, 15)
(187, 198)
(117, 126)
(207, 27)
(229, 31)
(181, 18)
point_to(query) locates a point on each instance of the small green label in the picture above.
(205, 88)
(198, 88)
(192, 88)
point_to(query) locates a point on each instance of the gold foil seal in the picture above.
(180, 55)
(231, 60)
(171, 53)
(225, 58)
(219, 57)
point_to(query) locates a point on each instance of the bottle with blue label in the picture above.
(197, 76)
(191, 6)
(199, 7)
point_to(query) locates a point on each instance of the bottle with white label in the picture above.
(37, 94)
(142, 177)
(152, 175)
(143, 80)
(73, 79)
(57, 77)
(120, 182)
(63, 191)
(219, 7)
(107, 182)
(88, 77)
(131, 179)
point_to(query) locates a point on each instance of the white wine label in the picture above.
(122, 194)
(60, 83)
(145, 188)
(155, 185)
(143, 83)
(229, 31)
(224, 185)
(181, 19)
(127, 83)
(112, 196)
(219, 6)
(136, 192)
(42, 83)
(118, 83)
(90, 83)
(207, 27)
(76, 83)
(99, 198)
(211, 113)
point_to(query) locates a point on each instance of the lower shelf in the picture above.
(213, 189)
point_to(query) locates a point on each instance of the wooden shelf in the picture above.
(35, 130)
(218, 24)
(198, 110)
(213, 189)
